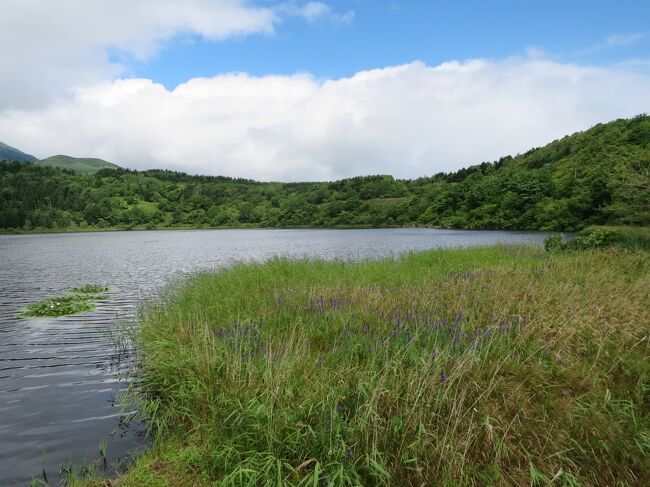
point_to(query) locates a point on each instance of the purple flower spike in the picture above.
(443, 377)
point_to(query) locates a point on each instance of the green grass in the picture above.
(488, 366)
(76, 300)
(81, 165)
(387, 202)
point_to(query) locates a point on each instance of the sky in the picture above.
(291, 90)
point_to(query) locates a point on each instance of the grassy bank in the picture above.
(489, 366)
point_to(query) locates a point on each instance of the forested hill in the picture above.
(600, 176)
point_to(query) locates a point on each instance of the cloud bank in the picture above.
(407, 120)
(50, 47)
(61, 92)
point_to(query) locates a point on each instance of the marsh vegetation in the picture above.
(492, 366)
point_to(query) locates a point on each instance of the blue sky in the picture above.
(315, 89)
(383, 33)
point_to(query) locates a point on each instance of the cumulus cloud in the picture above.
(47, 49)
(406, 120)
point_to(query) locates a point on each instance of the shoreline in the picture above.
(43, 231)
(306, 371)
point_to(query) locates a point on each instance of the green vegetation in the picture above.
(59, 306)
(76, 300)
(90, 289)
(487, 366)
(597, 177)
(631, 238)
(78, 165)
(8, 153)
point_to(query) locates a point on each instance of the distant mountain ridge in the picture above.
(81, 165)
(9, 153)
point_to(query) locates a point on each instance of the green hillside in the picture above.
(597, 177)
(8, 153)
(86, 165)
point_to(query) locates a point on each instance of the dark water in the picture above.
(59, 377)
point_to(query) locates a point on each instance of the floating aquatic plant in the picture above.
(89, 289)
(77, 300)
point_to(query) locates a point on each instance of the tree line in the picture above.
(600, 176)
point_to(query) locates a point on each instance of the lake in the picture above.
(59, 377)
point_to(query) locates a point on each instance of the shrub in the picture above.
(554, 243)
(631, 238)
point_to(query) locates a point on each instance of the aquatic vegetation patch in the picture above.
(76, 300)
(90, 289)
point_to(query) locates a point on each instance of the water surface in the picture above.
(58, 376)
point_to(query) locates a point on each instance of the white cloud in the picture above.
(624, 40)
(48, 47)
(614, 41)
(406, 120)
(314, 11)
(311, 11)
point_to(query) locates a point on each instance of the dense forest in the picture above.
(600, 176)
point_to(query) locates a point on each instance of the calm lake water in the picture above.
(59, 377)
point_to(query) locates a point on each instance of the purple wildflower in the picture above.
(443, 377)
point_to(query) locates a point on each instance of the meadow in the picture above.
(486, 366)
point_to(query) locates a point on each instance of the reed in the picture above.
(488, 366)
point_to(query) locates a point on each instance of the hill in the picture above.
(8, 153)
(78, 165)
(597, 177)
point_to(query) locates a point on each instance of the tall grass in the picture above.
(492, 366)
